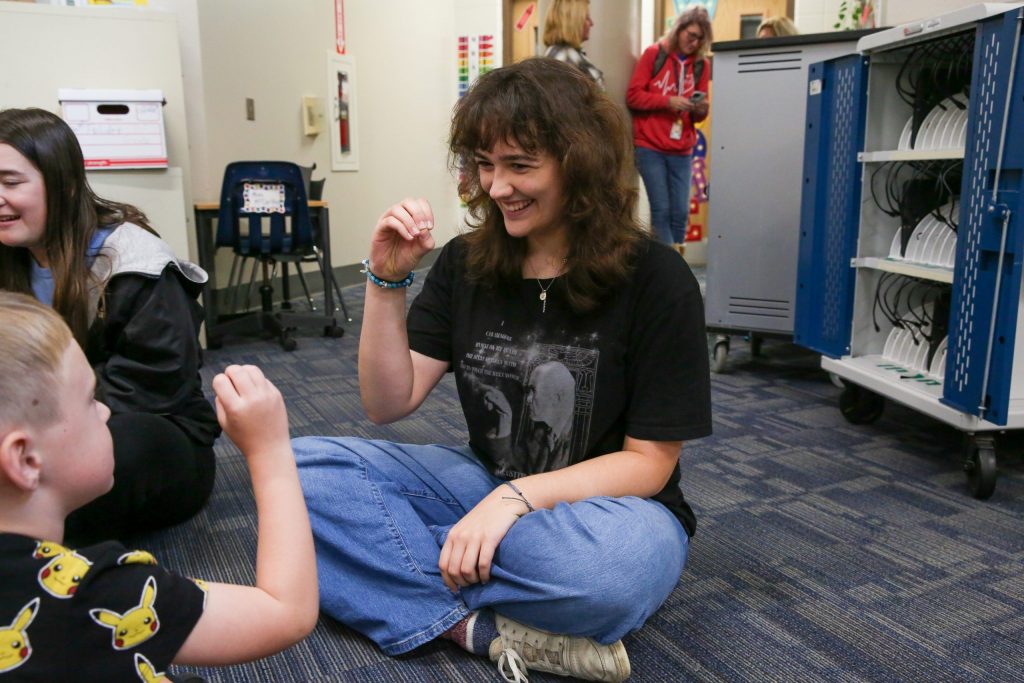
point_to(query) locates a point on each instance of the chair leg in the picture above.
(252, 281)
(231, 279)
(341, 299)
(286, 295)
(305, 287)
(329, 277)
(273, 323)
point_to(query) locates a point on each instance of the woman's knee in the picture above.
(327, 451)
(618, 557)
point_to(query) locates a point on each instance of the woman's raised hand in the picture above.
(402, 237)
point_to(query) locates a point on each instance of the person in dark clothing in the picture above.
(580, 357)
(132, 307)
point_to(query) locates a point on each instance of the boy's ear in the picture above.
(19, 464)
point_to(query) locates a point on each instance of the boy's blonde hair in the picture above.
(33, 339)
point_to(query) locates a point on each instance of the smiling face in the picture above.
(22, 202)
(527, 188)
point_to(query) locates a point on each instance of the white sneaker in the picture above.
(519, 647)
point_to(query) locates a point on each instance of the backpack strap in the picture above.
(659, 61)
(698, 71)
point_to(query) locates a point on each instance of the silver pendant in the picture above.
(543, 296)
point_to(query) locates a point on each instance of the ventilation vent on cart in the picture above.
(765, 308)
(758, 62)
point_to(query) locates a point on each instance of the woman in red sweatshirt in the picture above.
(667, 95)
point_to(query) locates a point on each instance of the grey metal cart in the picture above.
(757, 138)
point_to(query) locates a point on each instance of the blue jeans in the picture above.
(667, 180)
(381, 511)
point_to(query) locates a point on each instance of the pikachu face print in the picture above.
(14, 646)
(60, 576)
(137, 557)
(135, 626)
(146, 671)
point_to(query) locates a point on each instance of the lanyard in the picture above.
(679, 66)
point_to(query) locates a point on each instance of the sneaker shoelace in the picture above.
(512, 667)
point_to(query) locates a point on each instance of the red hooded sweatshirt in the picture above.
(647, 98)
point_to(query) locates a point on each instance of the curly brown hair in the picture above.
(73, 213)
(547, 106)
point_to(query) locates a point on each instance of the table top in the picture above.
(214, 206)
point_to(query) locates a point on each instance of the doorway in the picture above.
(521, 29)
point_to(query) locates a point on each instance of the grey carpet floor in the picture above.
(825, 551)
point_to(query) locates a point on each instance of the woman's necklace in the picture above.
(544, 294)
(544, 290)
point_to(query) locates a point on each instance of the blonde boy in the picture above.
(104, 613)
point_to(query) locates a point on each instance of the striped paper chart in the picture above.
(476, 57)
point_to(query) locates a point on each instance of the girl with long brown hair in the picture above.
(580, 358)
(131, 305)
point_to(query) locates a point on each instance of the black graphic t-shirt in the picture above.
(543, 387)
(100, 613)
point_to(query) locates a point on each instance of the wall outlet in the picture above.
(250, 109)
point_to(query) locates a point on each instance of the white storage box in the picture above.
(117, 128)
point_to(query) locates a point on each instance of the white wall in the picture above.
(47, 48)
(405, 53)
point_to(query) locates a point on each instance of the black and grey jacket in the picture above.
(578, 58)
(143, 339)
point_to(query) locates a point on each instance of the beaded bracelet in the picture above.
(387, 284)
(519, 493)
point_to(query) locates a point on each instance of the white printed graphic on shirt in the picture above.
(536, 401)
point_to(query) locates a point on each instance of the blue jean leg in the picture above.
(372, 506)
(381, 512)
(680, 169)
(667, 181)
(598, 568)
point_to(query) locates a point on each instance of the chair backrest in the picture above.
(259, 192)
(307, 176)
(316, 189)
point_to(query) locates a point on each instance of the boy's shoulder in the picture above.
(102, 612)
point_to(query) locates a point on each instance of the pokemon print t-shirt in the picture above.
(99, 613)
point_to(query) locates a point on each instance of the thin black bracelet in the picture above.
(519, 493)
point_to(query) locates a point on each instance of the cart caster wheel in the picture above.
(980, 466)
(860, 406)
(288, 344)
(721, 355)
(755, 345)
(334, 331)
